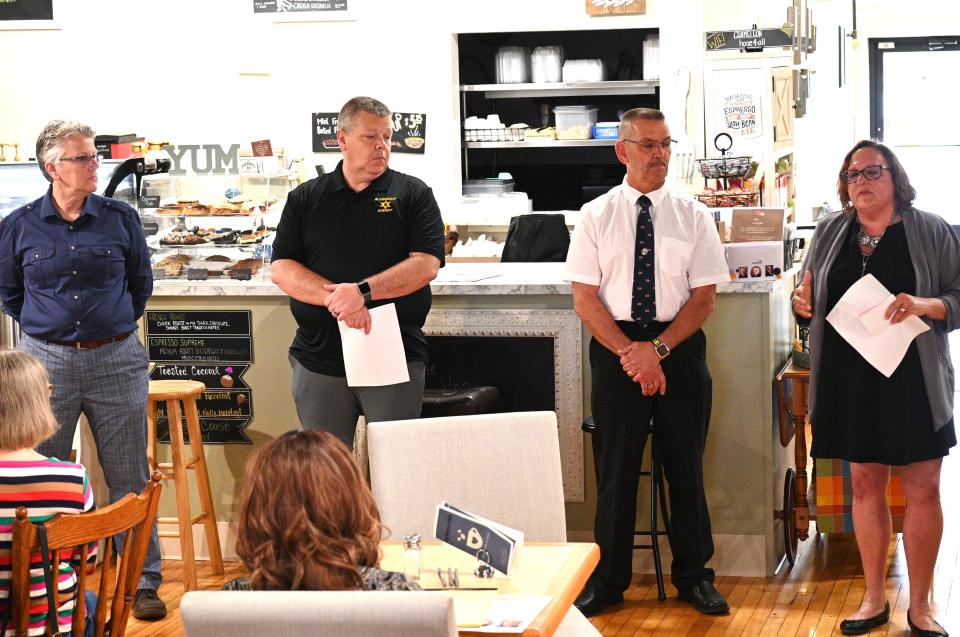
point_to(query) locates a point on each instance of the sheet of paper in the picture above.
(858, 318)
(377, 358)
(513, 613)
(472, 609)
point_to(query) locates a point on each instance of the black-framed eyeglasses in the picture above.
(870, 172)
(84, 159)
(649, 146)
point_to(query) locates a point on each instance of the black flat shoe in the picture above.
(861, 626)
(923, 632)
(705, 598)
(592, 600)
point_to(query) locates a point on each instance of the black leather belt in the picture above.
(89, 344)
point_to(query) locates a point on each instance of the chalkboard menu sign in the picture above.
(409, 133)
(26, 9)
(749, 39)
(279, 6)
(325, 133)
(214, 347)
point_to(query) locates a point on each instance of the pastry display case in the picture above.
(212, 227)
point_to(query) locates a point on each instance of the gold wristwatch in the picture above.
(661, 348)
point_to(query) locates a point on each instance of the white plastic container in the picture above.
(575, 122)
(583, 70)
(545, 64)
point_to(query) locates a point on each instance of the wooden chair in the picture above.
(70, 534)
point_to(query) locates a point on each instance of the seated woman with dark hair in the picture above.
(46, 486)
(308, 520)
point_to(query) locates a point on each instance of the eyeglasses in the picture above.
(870, 172)
(84, 159)
(649, 146)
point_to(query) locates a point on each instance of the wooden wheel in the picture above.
(789, 515)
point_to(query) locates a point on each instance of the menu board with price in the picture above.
(280, 6)
(215, 348)
(409, 133)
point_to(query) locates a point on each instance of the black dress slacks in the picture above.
(622, 415)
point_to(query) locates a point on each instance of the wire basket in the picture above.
(511, 134)
(721, 167)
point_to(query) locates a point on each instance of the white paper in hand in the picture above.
(858, 318)
(377, 358)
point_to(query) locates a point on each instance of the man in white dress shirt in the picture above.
(644, 263)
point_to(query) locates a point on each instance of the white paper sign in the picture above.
(858, 318)
(377, 358)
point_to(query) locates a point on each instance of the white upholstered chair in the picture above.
(322, 613)
(504, 467)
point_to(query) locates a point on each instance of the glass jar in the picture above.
(412, 556)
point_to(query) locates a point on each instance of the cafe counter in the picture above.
(509, 325)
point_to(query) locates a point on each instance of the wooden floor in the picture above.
(811, 599)
(824, 586)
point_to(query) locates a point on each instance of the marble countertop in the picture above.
(458, 279)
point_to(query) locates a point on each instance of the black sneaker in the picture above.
(147, 606)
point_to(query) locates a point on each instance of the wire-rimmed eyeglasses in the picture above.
(870, 172)
(84, 159)
(650, 146)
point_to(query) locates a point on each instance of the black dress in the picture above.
(863, 416)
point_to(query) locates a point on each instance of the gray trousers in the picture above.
(328, 404)
(108, 384)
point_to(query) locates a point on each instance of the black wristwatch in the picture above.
(365, 290)
(661, 348)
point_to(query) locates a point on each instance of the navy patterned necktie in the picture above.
(644, 305)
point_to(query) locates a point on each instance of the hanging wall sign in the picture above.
(409, 133)
(212, 347)
(616, 7)
(26, 9)
(293, 6)
(749, 39)
(325, 133)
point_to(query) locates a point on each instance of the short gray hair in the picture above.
(635, 114)
(55, 134)
(360, 105)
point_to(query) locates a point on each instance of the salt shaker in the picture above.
(412, 556)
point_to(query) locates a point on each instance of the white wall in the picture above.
(212, 72)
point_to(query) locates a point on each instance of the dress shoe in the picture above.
(705, 598)
(592, 600)
(923, 632)
(861, 626)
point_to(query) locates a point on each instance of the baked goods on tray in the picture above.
(173, 265)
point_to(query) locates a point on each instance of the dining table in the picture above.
(558, 570)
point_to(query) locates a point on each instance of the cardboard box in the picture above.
(754, 260)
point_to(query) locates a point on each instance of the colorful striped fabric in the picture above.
(834, 497)
(46, 488)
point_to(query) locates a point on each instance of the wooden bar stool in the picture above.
(172, 392)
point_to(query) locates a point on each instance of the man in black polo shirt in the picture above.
(361, 236)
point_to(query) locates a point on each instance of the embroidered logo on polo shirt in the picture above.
(386, 205)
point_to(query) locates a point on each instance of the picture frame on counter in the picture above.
(28, 15)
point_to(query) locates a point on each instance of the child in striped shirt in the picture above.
(45, 486)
